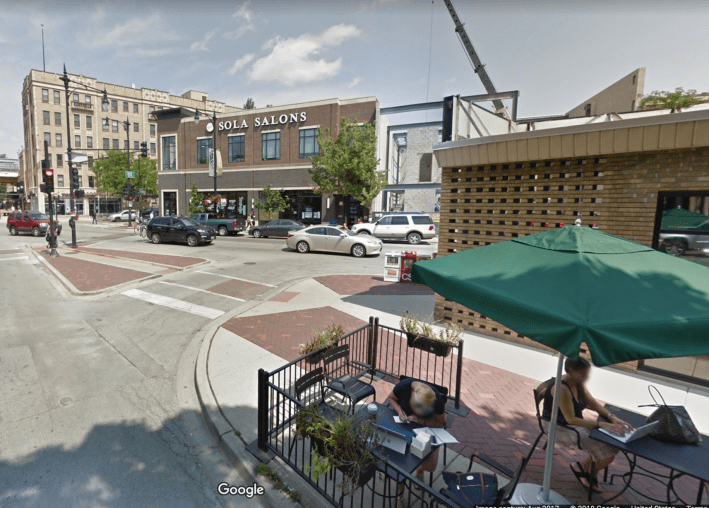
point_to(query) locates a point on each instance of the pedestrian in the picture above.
(94, 217)
(48, 236)
(253, 218)
(152, 214)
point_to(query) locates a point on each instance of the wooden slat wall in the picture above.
(618, 193)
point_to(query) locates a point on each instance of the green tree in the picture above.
(196, 204)
(274, 201)
(674, 101)
(347, 165)
(111, 173)
(249, 104)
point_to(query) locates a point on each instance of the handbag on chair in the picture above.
(471, 489)
(675, 424)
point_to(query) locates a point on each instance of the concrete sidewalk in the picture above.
(498, 377)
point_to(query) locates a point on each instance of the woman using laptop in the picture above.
(574, 398)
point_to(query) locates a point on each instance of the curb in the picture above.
(72, 289)
(172, 267)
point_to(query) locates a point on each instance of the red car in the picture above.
(29, 222)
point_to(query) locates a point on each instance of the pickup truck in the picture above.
(683, 230)
(221, 225)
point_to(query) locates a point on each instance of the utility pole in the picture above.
(130, 202)
(72, 187)
(46, 167)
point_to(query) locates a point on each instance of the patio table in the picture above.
(680, 459)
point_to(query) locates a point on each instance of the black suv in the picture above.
(179, 229)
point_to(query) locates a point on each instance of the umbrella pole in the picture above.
(552, 432)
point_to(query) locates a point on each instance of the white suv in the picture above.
(412, 227)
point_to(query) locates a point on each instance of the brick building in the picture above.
(619, 172)
(258, 147)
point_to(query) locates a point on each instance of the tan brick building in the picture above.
(44, 117)
(619, 172)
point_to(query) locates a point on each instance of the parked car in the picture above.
(121, 216)
(683, 230)
(221, 225)
(145, 214)
(330, 239)
(30, 222)
(179, 229)
(413, 227)
(279, 227)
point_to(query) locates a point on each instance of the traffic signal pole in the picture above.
(52, 223)
(72, 187)
(130, 201)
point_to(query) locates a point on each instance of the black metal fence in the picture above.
(385, 353)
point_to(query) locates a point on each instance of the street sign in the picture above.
(130, 174)
(77, 158)
(130, 204)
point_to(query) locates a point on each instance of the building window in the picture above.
(87, 99)
(152, 130)
(125, 106)
(91, 181)
(81, 180)
(106, 144)
(115, 144)
(152, 149)
(57, 97)
(135, 145)
(57, 118)
(60, 160)
(114, 126)
(105, 124)
(125, 144)
(169, 154)
(48, 138)
(236, 149)
(45, 95)
(89, 122)
(152, 109)
(60, 180)
(89, 141)
(136, 126)
(91, 161)
(76, 97)
(135, 108)
(58, 139)
(271, 146)
(77, 141)
(45, 115)
(114, 106)
(77, 122)
(425, 167)
(308, 143)
(203, 147)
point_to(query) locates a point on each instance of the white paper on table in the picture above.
(442, 435)
(399, 420)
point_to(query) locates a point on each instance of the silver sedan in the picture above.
(331, 239)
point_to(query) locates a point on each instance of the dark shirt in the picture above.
(579, 405)
(402, 392)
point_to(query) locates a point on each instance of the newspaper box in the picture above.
(392, 266)
(408, 258)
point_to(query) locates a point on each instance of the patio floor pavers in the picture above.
(370, 285)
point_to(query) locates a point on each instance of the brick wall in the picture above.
(482, 205)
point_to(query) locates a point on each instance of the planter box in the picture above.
(436, 347)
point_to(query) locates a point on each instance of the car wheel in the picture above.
(36, 231)
(675, 247)
(223, 231)
(155, 237)
(303, 247)
(13, 230)
(257, 233)
(192, 240)
(364, 232)
(414, 238)
(358, 250)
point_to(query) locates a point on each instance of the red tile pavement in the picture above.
(239, 289)
(281, 333)
(90, 276)
(178, 261)
(286, 296)
(370, 285)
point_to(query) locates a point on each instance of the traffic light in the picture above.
(130, 192)
(75, 178)
(144, 149)
(125, 192)
(47, 177)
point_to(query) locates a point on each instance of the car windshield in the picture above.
(38, 216)
(348, 233)
(190, 222)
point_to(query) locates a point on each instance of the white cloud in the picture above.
(246, 17)
(202, 44)
(354, 82)
(291, 60)
(141, 31)
(241, 63)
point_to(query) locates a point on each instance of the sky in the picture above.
(556, 53)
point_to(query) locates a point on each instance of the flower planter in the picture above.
(436, 347)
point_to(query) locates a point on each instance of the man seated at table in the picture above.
(419, 402)
(574, 398)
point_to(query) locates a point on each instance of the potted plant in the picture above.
(420, 335)
(348, 443)
(323, 339)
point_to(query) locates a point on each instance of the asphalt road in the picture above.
(97, 404)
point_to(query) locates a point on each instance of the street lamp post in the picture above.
(126, 126)
(72, 188)
(214, 151)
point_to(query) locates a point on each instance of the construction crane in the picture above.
(478, 66)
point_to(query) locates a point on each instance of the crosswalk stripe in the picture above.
(13, 257)
(173, 303)
(203, 291)
(237, 278)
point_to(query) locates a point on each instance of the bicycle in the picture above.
(141, 229)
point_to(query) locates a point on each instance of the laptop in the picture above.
(632, 435)
(394, 438)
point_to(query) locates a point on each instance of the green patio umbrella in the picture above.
(573, 285)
